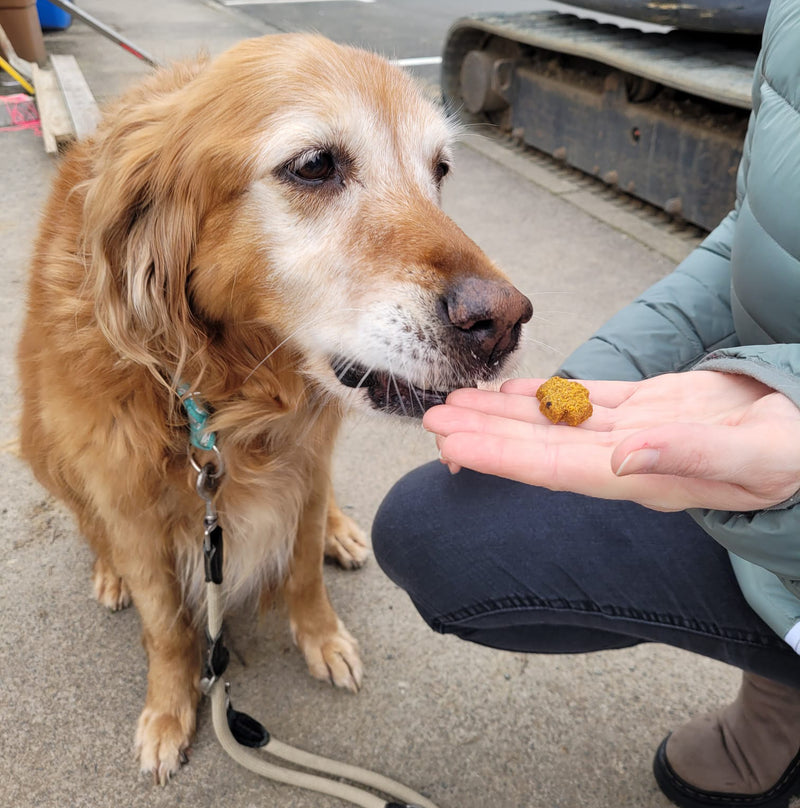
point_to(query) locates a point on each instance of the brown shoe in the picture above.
(746, 755)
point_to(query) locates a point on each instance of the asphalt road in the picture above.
(398, 29)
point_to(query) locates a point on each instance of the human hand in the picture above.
(700, 439)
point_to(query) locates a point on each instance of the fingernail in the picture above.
(453, 468)
(639, 461)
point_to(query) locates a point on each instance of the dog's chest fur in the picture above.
(264, 496)
(259, 523)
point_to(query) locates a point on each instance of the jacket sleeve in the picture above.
(770, 598)
(678, 320)
(672, 325)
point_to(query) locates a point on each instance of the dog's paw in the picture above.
(109, 589)
(333, 657)
(162, 742)
(345, 542)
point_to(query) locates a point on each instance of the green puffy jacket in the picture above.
(734, 305)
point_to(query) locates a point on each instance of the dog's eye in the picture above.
(314, 168)
(440, 171)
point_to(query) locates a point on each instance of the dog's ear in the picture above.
(139, 227)
(140, 260)
(159, 160)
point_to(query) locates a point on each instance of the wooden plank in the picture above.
(57, 126)
(82, 107)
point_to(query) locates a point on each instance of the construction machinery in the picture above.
(657, 107)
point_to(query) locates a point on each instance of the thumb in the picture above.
(698, 451)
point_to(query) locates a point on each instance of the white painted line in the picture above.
(282, 2)
(416, 61)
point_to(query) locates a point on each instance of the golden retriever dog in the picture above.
(265, 229)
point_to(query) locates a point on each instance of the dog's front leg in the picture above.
(330, 650)
(167, 722)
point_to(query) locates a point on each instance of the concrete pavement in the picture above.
(468, 726)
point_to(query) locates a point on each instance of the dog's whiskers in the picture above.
(528, 340)
(270, 355)
(393, 381)
(291, 336)
(544, 319)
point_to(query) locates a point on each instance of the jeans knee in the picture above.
(405, 525)
(383, 533)
(390, 530)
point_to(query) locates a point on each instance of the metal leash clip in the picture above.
(208, 480)
(207, 484)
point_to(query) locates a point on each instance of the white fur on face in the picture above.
(381, 320)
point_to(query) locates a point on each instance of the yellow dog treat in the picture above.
(564, 400)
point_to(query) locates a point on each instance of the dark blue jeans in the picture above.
(524, 569)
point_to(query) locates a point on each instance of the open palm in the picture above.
(697, 439)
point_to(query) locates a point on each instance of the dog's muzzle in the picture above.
(482, 322)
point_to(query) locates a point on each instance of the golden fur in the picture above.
(257, 226)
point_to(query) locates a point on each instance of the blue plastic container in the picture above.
(51, 17)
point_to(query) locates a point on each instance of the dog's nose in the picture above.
(488, 313)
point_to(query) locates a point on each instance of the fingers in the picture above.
(521, 408)
(561, 467)
(588, 471)
(522, 387)
(556, 467)
(515, 407)
(513, 417)
(484, 412)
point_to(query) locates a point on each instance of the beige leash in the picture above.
(240, 734)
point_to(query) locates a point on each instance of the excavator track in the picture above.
(672, 236)
(661, 116)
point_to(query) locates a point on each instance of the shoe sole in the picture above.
(685, 795)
